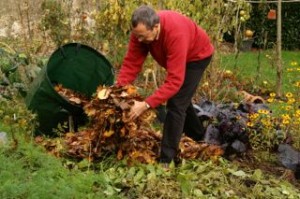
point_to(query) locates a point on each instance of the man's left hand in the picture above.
(137, 109)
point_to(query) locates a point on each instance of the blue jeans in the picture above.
(181, 116)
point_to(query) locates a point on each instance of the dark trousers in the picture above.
(181, 116)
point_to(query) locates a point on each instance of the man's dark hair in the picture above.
(145, 15)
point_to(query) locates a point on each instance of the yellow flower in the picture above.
(288, 108)
(289, 95)
(291, 101)
(254, 116)
(250, 124)
(297, 84)
(266, 122)
(260, 111)
(294, 63)
(297, 113)
(228, 72)
(285, 121)
(285, 117)
(270, 100)
(272, 94)
(263, 111)
(265, 82)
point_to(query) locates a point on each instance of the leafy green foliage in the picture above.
(265, 30)
(15, 115)
(29, 172)
(55, 19)
(111, 20)
(16, 71)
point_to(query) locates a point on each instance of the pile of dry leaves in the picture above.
(111, 132)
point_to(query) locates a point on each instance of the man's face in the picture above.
(145, 35)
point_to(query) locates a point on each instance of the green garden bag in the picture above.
(75, 66)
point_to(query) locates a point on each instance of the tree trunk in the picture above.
(279, 55)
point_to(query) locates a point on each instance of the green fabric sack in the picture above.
(75, 66)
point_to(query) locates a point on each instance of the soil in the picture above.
(249, 162)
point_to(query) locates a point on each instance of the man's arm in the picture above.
(133, 61)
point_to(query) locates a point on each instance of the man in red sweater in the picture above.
(184, 50)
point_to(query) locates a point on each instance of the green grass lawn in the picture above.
(260, 68)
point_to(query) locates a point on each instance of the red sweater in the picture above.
(180, 41)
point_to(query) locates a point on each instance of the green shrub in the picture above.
(266, 30)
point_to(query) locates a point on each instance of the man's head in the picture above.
(145, 24)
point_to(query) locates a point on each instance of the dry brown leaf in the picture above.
(103, 93)
(131, 90)
(108, 134)
(76, 100)
(120, 154)
(124, 94)
(90, 112)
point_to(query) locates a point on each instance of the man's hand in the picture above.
(137, 109)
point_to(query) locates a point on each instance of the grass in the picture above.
(29, 172)
(247, 65)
